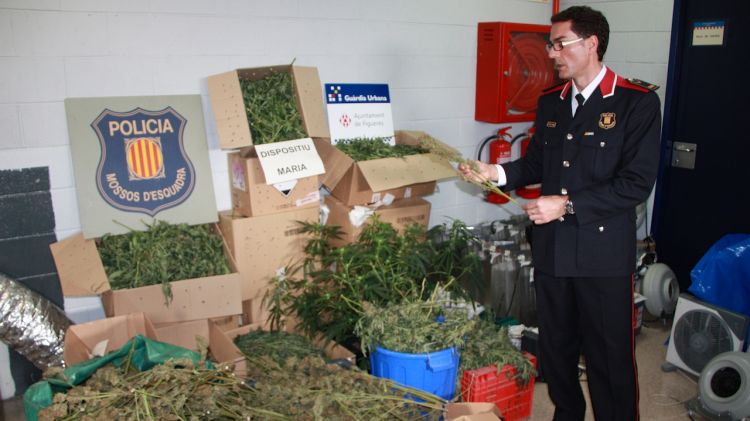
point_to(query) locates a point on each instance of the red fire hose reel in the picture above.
(512, 70)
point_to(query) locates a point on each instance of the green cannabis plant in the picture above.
(277, 345)
(488, 344)
(310, 389)
(271, 107)
(162, 254)
(329, 290)
(365, 149)
(413, 326)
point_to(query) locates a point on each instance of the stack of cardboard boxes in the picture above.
(262, 228)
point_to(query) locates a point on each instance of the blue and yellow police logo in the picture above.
(143, 165)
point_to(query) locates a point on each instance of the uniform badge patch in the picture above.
(143, 166)
(607, 120)
(551, 124)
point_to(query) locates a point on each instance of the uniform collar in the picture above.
(606, 80)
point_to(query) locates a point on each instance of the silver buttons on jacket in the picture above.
(566, 164)
(602, 144)
(563, 191)
(601, 228)
(569, 136)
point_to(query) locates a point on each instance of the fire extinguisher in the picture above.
(500, 146)
(534, 190)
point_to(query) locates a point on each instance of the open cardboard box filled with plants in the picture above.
(173, 273)
(364, 171)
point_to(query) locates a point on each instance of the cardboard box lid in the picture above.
(79, 267)
(81, 339)
(310, 93)
(230, 117)
(228, 105)
(391, 173)
(472, 411)
(386, 173)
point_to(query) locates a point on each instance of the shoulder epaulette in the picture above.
(642, 84)
(554, 88)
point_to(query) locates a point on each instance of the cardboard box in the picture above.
(254, 311)
(229, 107)
(472, 411)
(183, 333)
(365, 182)
(82, 274)
(264, 245)
(82, 339)
(399, 214)
(224, 350)
(251, 196)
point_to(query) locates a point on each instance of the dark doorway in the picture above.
(707, 120)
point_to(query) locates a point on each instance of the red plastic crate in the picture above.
(487, 385)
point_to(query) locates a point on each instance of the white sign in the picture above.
(289, 160)
(708, 33)
(359, 111)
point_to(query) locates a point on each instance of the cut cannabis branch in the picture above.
(446, 152)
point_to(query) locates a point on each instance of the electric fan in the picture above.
(724, 388)
(702, 331)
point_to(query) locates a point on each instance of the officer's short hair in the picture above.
(586, 22)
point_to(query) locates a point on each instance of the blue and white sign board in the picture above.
(359, 111)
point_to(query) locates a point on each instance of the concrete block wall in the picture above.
(424, 49)
(26, 230)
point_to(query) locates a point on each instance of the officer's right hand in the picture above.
(478, 171)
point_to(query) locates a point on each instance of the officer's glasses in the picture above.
(559, 45)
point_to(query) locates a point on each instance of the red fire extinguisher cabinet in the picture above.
(513, 69)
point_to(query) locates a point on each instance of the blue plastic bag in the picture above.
(722, 275)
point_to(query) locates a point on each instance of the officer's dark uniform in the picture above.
(606, 160)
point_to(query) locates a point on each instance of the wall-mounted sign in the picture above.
(359, 111)
(708, 33)
(137, 159)
(289, 160)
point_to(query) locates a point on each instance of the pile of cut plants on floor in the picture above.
(305, 388)
(365, 149)
(162, 254)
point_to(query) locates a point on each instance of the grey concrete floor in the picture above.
(662, 394)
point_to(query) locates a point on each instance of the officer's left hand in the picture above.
(545, 208)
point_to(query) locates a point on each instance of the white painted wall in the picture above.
(424, 49)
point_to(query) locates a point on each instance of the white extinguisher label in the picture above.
(503, 158)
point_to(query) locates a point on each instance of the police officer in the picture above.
(595, 152)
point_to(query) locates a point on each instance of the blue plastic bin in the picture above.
(434, 372)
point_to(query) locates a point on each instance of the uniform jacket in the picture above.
(606, 160)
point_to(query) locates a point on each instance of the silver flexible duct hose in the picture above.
(31, 325)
